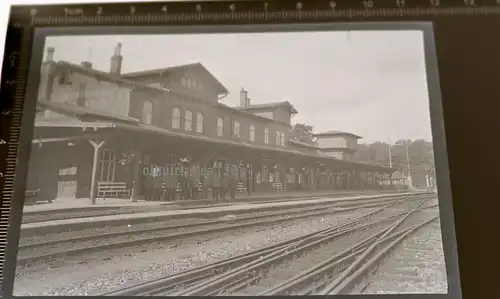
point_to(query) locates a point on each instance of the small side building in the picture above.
(340, 145)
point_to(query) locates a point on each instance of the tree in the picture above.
(420, 154)
(303, 133)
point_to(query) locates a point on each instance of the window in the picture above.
(278, 138)
(199, 122)
(171, 164)
(184, 82)
(188, 120)
(236, 129)
(252, 133)
(176, 118)
(266, 136)
(282, 139)
(147, 112)
(107, 163)
(220, 127)
(80, 101)
(65, 78)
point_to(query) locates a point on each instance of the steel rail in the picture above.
(364, 255)
(220, 283)
(357, 274)
(169, 282)
(351, 252)
(177, 235)
(199, 224)
(51, 215)
(337, 262)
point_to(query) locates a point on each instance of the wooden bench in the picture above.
(113, 189)
(241, 187)
(278, 187)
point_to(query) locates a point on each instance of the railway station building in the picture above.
(95, 126)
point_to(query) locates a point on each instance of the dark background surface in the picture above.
(468, 50)
(469, 65)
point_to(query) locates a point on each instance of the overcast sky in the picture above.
(371, 83)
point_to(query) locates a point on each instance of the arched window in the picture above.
(236, 129)
(188, 120)
(220, 127)
(199, 122)
(147, 112)
(252, 133)
(282, 139)
(266, 136)
(176, 118)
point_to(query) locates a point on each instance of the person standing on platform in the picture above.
(195, 182)
(148, 186)
(171, 184)
(248, 179)
(206, 183)
(183, 182)
(216, 184)
(189, 184)
(157, 184)
(225, 184)
(233, 182)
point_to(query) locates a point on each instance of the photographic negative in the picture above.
(233, 163)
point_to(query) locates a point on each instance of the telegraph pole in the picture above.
(407, 157)
(408, 163)
(390, 153)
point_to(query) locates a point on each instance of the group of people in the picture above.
(217, 183)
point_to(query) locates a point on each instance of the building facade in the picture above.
(94, 126)
(340, 145)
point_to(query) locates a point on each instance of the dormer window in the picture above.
(190, 83)
(65, 78)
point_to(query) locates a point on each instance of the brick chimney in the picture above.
(50, 54)
(116, 60)
(244, 100)
(87, 64)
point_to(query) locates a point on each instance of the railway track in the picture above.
(42, 248)
(243, 274)
(51, 215)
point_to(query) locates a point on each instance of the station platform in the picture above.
(101, 221)
(84, 204)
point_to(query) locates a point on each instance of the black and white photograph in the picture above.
(245, 164)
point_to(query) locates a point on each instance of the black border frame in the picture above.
(435, 105)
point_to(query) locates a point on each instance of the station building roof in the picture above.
(107, 122)
(336, 133)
